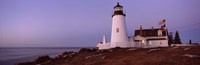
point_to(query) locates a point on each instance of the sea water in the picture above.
(11, 55)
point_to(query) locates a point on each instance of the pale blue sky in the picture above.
(65, 23)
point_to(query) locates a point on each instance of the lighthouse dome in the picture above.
(118, 6)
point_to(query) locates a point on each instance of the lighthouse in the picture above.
(119, 36)
(143, 38)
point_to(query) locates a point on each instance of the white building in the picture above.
(154, 37)
(142, 38)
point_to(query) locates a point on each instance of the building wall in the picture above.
(157, 43)
(103, 46)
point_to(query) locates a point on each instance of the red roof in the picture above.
(149, 32)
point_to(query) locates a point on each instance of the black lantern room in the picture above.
(118, 10)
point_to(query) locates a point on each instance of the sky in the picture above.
(81, 23)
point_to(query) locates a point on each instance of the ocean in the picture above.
(13, 55)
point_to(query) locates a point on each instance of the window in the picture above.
(159, 33)
(142, 41)
(137, 40)
(118, 9)
(117, 30)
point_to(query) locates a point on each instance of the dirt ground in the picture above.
(182, 55)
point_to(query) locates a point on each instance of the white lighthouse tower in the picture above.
(119, 32)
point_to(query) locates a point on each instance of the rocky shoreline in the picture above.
(177, 55)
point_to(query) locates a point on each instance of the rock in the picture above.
(152, 50)
(88, 57)
(103, 57)
(42, 59)
(94, 49)
(186, 48)
(175, 47)
(190, 55)
(86, 50)
(65, 53)
(131, 49)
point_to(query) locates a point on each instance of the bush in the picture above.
(86, 50)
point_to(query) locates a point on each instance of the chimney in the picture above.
(141, 30)
(104, 39)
